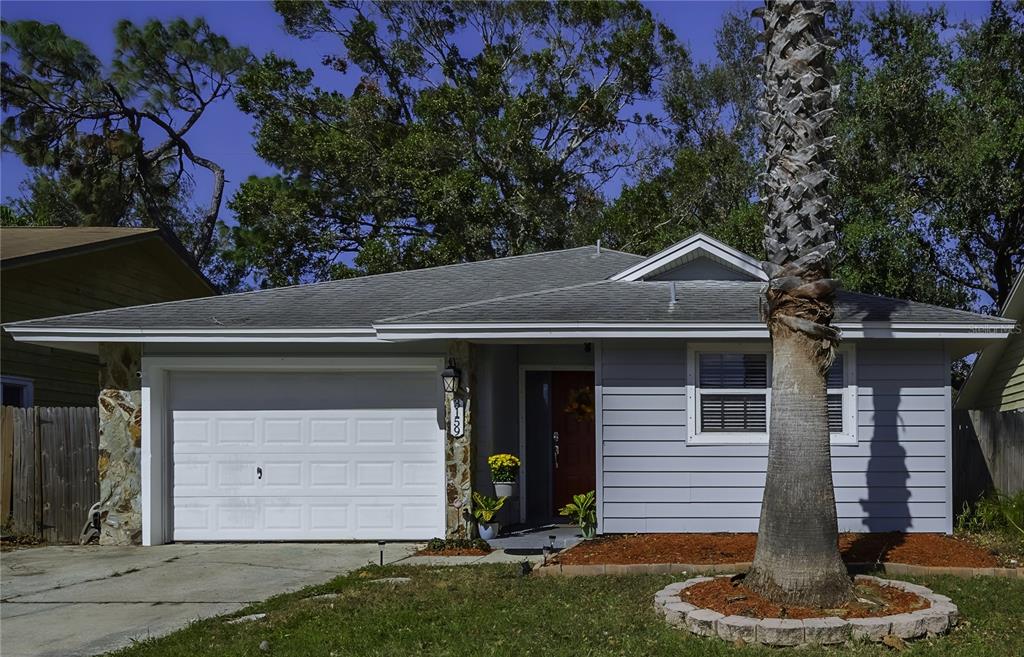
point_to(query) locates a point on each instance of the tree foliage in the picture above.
(110, 145)
(932, 148)
(476, 130)
(928, 194)
(709, 182)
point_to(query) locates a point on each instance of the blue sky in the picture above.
(223, 135)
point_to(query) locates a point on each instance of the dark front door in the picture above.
(572, 435)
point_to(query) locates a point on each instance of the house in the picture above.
(57, 271)
(988, 416)
(996, 380)
(317, 411)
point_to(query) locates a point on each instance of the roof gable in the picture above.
(696, 258)
(24, 243)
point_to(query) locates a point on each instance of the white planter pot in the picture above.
(506, 489)
(488, 530)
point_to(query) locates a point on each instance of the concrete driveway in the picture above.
(89, 600)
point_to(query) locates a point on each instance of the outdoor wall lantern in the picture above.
(450, 377)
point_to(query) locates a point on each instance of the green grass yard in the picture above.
(489, 611)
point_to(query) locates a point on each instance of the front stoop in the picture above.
(937, 619)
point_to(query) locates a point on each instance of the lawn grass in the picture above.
(488, 610)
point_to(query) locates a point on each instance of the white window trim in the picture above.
(27, 384)
(848, 436)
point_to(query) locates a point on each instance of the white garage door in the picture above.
(308, 474)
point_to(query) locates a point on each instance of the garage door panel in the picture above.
(326, 474)
(329, 431)
(283, 431)
(300, 518)
(221, 475)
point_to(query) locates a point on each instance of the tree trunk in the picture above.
(797, 559)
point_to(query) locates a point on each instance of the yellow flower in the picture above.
(504, 467)
(503, 461)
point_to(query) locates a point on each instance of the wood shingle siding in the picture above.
(1005, 388)
(133, 274)
(893, 478)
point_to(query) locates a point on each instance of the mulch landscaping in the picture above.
(455, 547)
(915, 549)
(731, 598)
(453, 552)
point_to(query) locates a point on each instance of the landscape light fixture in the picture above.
(450, 377)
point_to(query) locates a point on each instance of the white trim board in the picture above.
(682, 252)
(749, 330)
(384, 333)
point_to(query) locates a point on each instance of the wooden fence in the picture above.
(49, 470)
(988, 453)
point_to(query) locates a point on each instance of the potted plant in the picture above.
(504, 472)
(583, 512)
(484, 510)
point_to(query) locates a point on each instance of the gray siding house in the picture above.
(317, 411)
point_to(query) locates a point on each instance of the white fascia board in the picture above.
(699, 242)
(540, 330)
(483, 331)
(384, 363)
(55, 335)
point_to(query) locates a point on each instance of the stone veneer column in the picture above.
(120, 419)
(458, 452)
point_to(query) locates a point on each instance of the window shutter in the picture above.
(733, 413)
(733, 371)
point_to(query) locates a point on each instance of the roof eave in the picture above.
(756, 330)
(978, 333)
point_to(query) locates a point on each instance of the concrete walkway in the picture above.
(71, 601)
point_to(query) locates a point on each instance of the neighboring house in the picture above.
(58, 271)
(996, 380)
(988, 423)
(317, 411)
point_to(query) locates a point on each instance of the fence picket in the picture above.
(6, 462)
(53, 476)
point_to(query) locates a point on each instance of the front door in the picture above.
(572, 435)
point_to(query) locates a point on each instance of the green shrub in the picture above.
(995, 512)
(583, 512)
(485, 508)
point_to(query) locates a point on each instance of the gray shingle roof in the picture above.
(556, 286)
(696, 301)
(357, 302)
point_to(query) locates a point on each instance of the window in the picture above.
(17, 391)
(733, 392)
(729, 395)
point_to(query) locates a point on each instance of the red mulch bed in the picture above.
(916, 549)
(732, 598)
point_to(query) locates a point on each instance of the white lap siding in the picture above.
(893, 479)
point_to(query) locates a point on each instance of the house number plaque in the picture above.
(457, 422)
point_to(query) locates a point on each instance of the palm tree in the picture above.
(797, 559)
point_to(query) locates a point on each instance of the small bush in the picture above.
(995, 512)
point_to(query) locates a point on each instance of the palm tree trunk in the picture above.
(797, 558)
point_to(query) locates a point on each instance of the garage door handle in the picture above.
(259, 473)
